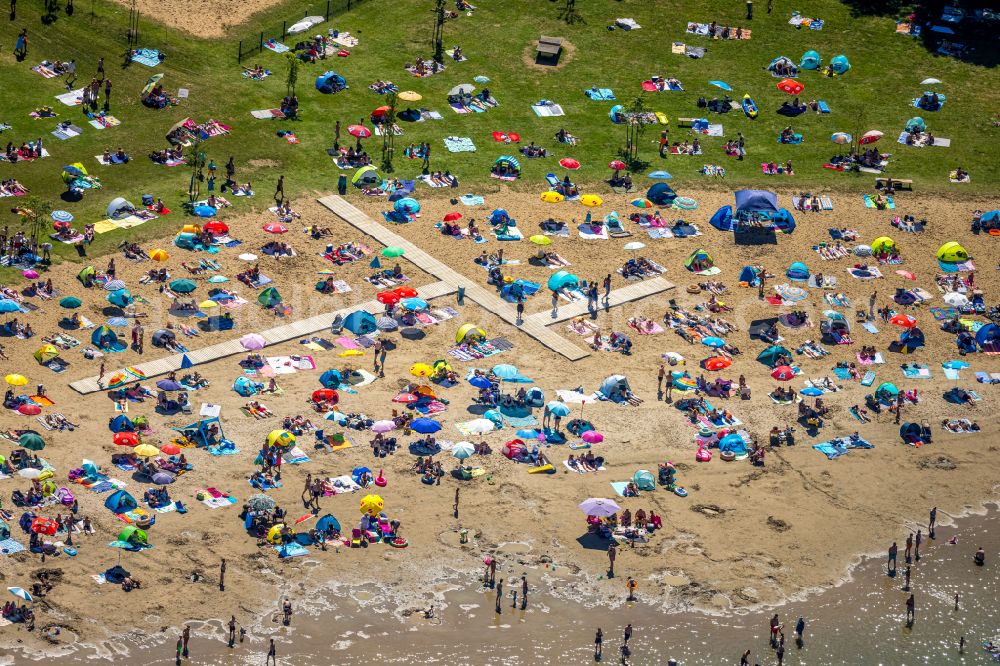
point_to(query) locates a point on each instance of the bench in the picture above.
(685, 122)
(897, 183)
(549, 47)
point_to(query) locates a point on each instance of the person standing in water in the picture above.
(499, 593)
(916, 545)
(932, 522)
(800, 628)
(911, 614)
(598, 643)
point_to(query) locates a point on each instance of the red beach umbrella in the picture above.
(906, 321)
(569, 163)
(783, 373)
(453, 216)
(359, 131)
(617, 165)
(388, 297)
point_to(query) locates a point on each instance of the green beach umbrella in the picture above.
(32, 441)
(183, 286)
(71, 302)
(393, 251)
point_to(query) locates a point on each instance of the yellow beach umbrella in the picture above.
(410, 96)
(159, 255)
(539, 239)
(207, 305)
(146, 451)
(280, 438)
(16, 380)
(552, 197)
(421, 370)
(591, 200)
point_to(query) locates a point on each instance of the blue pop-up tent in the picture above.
(756, 204)
(360, 322)
(120, 502)
(330, 82)
(661, 194)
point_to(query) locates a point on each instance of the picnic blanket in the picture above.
(457, 144)
(840, 446)
(547, 109)
(147, 57)
(71, 98)
(600, 94)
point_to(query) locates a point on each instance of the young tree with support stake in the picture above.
(195, 160)
(34, 212)
(293, 73)
(634, 129)
(388, 133)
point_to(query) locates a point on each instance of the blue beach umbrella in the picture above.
(811, 391)
(557, 408)
(659, 175)
(425, 426)
(528, 433)
(62, 216)
(414, 303)
(7, 305)
(721, 84)
(713, 342)
(505, 371)
(480, 382)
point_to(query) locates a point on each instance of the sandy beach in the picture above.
(744, 536)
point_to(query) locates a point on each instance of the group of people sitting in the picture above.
(793, 108)
(639, 267)
(27, 151)
(782, 394)
(170, 155)
(443, 179)
(430, 470)
(586, 462)
(341, 254)
(355, 157)
(787, 135)
(449, 229)
(624, 181)
(422, 67)
(290, 106)
(562, 136)
(531, 150)
(277, 249)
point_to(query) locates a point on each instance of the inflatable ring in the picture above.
(693, 289)
(994, 232)
(680, 492)
(728, 456)
(399, 542)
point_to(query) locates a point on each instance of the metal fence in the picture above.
(326, 9)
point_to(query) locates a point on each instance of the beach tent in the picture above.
(563, 280)
(121, 423)
(133, 536)
(883, 244)
(469, 333)
(186, 240)
(916, 124)
(330, 82)
(750, 275)
(365, 176)
(953, 253)
(162, 337)
(269, 297)
(988, 338)
(798, 271)
(839, 64)
(200, 432)
(500, 216)
(119, 208)
(327, 523)
(616, 388)
(121, 297)
(360, 322)
(106, 339)
(911, 432)
(509, 162)
(886, 391)
(810, 60)
(120, 502)
(911, 339)
(643, 480)
(700, 256)
(46, 353)
(756, 201)
(792, 69)
(245, 386)
(835, 324)
(733, 443)
(331, 379)
(87, 274)
(770, 355)
(661, 194)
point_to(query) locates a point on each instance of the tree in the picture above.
(195, 158)
(388, 135)
(438, 37)
(634, 129)
(34, 212)
(293, 73)
(568, 12)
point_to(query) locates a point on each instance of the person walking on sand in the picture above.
(660, 374)
(279, 189)
(272, 654)
(612, 553)
(307, 488)
(893, 549)
(932, 523)
(555, 304)
(607, 288)
(381, 360)
(916, 545)
(456, 502)
(499, 594)
(598, 643)
(911, 610)
(871, 305)
(222, 575)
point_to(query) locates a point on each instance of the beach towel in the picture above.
(823, 106)
(10, 546)
(619, 487)
(276, 46)
(457, 144)
(877, 359)
(588, 232)
(100, 122)
(266, 114)
(917, 371)
(291, 549)
(870, 202)
(600, 94)
(147, 57)
(546, 109)
(870, 327)
(472, 200)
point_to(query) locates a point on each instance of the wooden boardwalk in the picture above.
(292, 331)
(534, 325)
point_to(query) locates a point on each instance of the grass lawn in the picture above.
(886, 72)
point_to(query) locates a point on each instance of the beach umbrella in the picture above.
(393, 251)
(421, 370)
(275, 228)
(246, 256)
(713, 342)
(956, 299)
(121, 298)
(359, 131)
(407, 205)
(569, 163)
(135, 372)
(169, 385)
(208, 305)
(20, 593)
(31, 441)
(383, 324)
(29, 409)
(414, 303)
(480, 382)
(30, 274)
(642, 203)
(218, 279)
(405, 292)
(811, 391)
(600, 507)
(29, 473)
(119, 379)
(183, 286)
(930, 81)
(462, 89)
(783, 373)
(70, 302)
(528, 433)
(410, 96)
(159, 255)
(372, 505)
(841, 138)
(8, 305)
(339, 417)
(552, 197)
(61, 216)
(481, 79)
(907, 274)
(721, 84)
(325, 395)
(425, 426)
(125, 439)
(463, 450)
(903, 320)
(479, 426)
(382, 426)
(114, 285)
(146, 451)
(685, 203)
(634, 245)
(74, 171)
(253, 342)
(216, 227)
(870, 137)
(592, 437)
(539, 239)
(659, 175)
(15, 379)
(387, 297)
(617, 165)
(405, 398)
(717, 363)
(591, 200)
(505, 371)
(452, 216)
(557, 408)
(280, 438)
(261, 502)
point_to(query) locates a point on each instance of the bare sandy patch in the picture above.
(202, 19)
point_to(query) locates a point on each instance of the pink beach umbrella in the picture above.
(592, 437)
